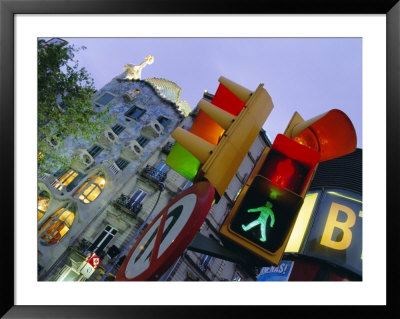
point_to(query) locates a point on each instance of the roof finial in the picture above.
(134, 72)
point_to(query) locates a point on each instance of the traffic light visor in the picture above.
(332, 134)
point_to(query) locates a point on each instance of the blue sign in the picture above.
(279, 273)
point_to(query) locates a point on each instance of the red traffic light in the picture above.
(332, 134)
(289, 165)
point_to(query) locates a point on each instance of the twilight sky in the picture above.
(308, 75)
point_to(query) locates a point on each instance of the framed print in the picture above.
(236, 45)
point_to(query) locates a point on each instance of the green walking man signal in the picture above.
(265, 212)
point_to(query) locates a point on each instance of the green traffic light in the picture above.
(265, 213)
(183, 162)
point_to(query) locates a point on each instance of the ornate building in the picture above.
(116, 185)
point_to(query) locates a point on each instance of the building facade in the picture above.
(115, 186)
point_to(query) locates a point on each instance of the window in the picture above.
(237, 277)
(55, 228)
(43, 203)
(137, 198)
(160, 170)
(117, 129)
(135, 113)
(163, 120)
(121, 163)
(91, 189)
(103, 239)
(187, 185)
(105, 99)
(204, 261)
(95, 150)
(142, 140)
(65, 179)
(70, 274)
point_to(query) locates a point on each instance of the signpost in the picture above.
(168, 235)
(89, 265)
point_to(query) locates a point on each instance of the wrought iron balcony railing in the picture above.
(167, 148)
(153, 174)
(123, 204)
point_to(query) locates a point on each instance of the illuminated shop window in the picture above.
(55, 228)
(302, 222)
(70, 274)
(43, 203)
(91, 189)
(65, 179)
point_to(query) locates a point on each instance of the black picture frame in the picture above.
(8, 10)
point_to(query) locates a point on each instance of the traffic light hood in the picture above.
(332, 134)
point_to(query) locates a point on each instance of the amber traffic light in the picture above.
(222, 133)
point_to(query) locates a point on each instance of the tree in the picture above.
(65, 104)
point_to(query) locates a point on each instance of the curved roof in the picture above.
(170, 91)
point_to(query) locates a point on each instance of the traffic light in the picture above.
(222, 132)
(266, 209)
(332, 134)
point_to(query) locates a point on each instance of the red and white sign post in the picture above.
(168, 235)
(89, 265)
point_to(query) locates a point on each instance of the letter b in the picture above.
(345, 226)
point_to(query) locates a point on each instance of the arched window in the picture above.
(57, 226)
(91, 189)
(43, 203)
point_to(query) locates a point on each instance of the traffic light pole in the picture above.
(204, 245)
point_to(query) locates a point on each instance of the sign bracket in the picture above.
(204, 245)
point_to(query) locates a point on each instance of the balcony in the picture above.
(167, 148)
(122, 203)
(153, 174)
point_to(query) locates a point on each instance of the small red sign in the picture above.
(168, 235)
(93, 260)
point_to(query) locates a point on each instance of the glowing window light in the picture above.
(91, 189)
(56, 226)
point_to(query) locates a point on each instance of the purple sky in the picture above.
(308, 75)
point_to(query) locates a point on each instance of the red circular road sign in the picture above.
(168, 235)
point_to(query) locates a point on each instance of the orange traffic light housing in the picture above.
(222, 132)
(332, 134)
(265, 212)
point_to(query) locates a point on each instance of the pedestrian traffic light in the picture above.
(222, 132)
(266, 209)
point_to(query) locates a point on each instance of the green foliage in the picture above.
(65, 104)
